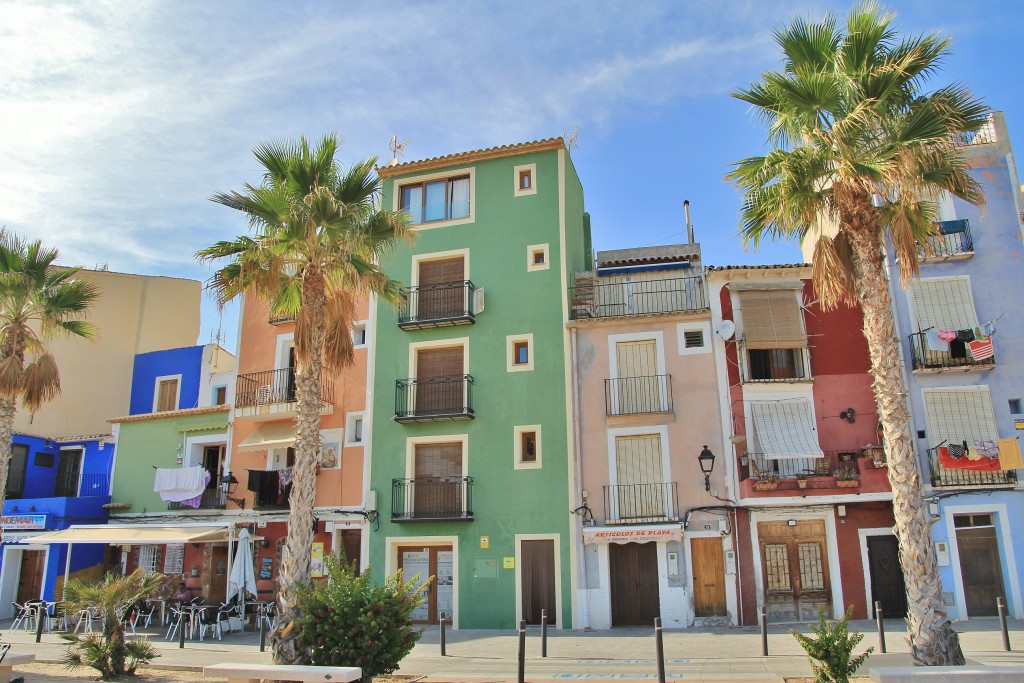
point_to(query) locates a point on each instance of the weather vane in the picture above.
(397, 148)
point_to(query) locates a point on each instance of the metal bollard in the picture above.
(41, 619)
(881, 626)
(522, 652)
(660, 649)
(263, 631)
(543, 633)
(181, 630)
(1001, 606)
(443, 618)
(762, 618)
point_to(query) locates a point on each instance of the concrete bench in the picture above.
(10, 661)
(252, 673)
(947, 674)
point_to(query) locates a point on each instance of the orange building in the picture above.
(263, 432)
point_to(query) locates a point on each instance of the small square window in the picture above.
(220, 396)
(355, 425)
(694, 339)
(359, 334)
(519, 350)
(357, 430)
(521, 353)
(528, 447)
(525, 179)
(1015, 406)
(537, 257)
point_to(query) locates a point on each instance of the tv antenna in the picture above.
(571, 140)
(397, 148)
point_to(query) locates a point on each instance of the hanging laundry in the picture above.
(956, 451)
(986, 448)
(1009, 454)
(980, 350)
(965, 335)
(947, 461)
(181, 484)
(984, 330)
(935, 342)
(957, 349)
(947, 335)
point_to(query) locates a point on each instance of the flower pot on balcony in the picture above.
(801, 483)
(765, 485)
(847, 483)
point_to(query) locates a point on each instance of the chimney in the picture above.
(689, 226)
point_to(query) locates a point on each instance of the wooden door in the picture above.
(441, 289)
(981, 570)
(437, 487)
(424, 563)
(708, 577)
(638, 472)
(634, 583)
(795, 568)
(30, 581)
(439, 385)
(538, 581)
(69, 465)
(351, 547)
(886, 574)
(218, 575)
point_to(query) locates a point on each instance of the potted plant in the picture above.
(767, 483)
(745, 458)
(801, 480)
(847, 478)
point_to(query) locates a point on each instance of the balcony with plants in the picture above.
(837, 472)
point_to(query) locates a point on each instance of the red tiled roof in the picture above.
(471, 156)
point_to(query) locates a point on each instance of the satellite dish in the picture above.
(725, 330)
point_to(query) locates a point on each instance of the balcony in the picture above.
(837, 472)
(641, 503)
(281, 319)
(942, 477)
(953, 241)
(434, 399)
(638, 395)
(212, 499)
(432, 500)
(268, 494)
(924, 359)
(591, 299)
(270, 395)
(444, 305)
(776, 365)
(71, 485)
(983, 136)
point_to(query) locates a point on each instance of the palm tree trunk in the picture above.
(933, 641)
(295, 562)
(8, 407)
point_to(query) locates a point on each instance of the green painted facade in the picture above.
(506, 501)
(154, 442)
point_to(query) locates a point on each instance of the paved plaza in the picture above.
(621, 654)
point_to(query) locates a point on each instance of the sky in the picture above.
(118, 120)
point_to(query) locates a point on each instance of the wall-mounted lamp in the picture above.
(228, 484)
(849, 415)
(706, 460)
(265, 542)
(195, 571)
(49, 443)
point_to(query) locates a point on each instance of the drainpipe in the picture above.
(581, 571)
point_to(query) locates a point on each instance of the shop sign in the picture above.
(266, 567)
(23, 522)
(316, 560)
(18, 536)
(634, 535)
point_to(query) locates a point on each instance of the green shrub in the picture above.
(830, 653)
(351, 620)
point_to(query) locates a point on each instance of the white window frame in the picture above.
(661, 431)
(417, 259)
(413, 441)
(532, 249)
(153, 567)
(510, 352)
(156, 391)
(704, 326)
(1004, 536)
(517, 447)
(285, 342)
(532, 169)
(357, 327)
(613, 358)
(350, 429)
(396, 195)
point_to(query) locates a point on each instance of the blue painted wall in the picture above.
(186, 361)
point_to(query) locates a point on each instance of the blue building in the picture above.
(963, 393)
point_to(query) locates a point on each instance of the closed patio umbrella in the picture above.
(242, 578)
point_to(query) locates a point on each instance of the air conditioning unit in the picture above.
(371, 501)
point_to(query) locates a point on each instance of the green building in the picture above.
(471, 424)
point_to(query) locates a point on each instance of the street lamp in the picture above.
(228, 484)
(706, 460)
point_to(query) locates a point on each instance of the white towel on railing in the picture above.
(176, 484)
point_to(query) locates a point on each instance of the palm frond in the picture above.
(40, 382)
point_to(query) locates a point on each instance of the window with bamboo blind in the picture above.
(440, 288)
(438, 479)
(943, 302)
(772, 319)
(957, 415)
(439, 380)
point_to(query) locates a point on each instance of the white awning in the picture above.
(633, 534)
(269, 435)
(139, 534)
(785, 429)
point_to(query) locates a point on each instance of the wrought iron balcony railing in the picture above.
(432, 499)
(637, 395)
(434, 399)
(592, 299)
(71, 485)
(212, 499)
(924, 357)
(953, 239)
(641, 503)
(281, 319)
(275, 386)
(951, 477)
(443, 305)
(826, 472)
(984, 135)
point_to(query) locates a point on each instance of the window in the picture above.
(537, 257)
(957, 415)
(359, 334)
(772, 319)
(44, 459)
(149, 559)
(354, 429)
(440, 289)
(220, 396)
(776, 364)
(166, 394)
(693, 338)
(524, 180)
(520, 352)
(1015, 406)
(436, 200)
(945, 303)
(526, 447)
(967, 521)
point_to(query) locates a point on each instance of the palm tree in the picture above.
(860, 146)
(318, 237)
(38, 301)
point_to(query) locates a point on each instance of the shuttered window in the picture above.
(442, 461)
(446, 362)
(785, 429)
(441, 291)
(944, 303)
(167, 395)
(440, 387)
(959, 415)
(772, 319)
(639, 475)
(441, 271)
(637, 358)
